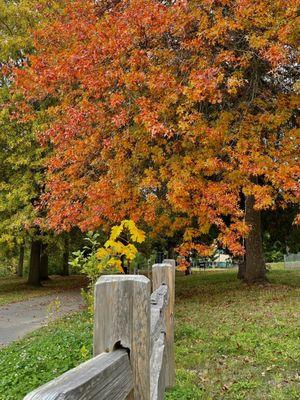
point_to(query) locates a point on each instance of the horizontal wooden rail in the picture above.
(106, 377)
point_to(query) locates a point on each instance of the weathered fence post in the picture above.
(122, 318)
(165, 273)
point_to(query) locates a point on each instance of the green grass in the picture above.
(43, 355)
(275, 265)
(232, 342)
(237, 342)
(14, 289)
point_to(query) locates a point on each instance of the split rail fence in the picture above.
(133, 342)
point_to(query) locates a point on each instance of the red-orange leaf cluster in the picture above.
(167, 112)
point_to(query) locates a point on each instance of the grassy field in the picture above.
(235, 341)
(232, 342)
(14, 289)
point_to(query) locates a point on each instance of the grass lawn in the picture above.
(232, 342)
(14, 289)
(235, 341)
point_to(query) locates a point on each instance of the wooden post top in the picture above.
(115, 278)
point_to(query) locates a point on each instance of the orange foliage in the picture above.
(165, 112)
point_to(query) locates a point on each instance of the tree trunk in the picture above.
(188, 270)
(124, 266)
(241, 270)
(171, 252)
(65, 269)
(21, 260)
(255, 270)
(35, 263)
(44, 263)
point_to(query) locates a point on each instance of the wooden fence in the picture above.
(133, 342)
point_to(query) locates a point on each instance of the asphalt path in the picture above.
(18, 319)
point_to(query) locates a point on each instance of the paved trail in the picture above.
(18, 319)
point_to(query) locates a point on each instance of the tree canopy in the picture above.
(167, 112)
(21, 159)
(22, 163)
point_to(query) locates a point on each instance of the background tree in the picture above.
(281, 235)
(21, 156)
(184, 120)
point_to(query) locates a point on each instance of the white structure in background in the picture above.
(221, 259)
(292, 261)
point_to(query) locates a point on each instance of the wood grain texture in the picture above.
(106, 377)
(159, 302)
(165, 273)
(158, 369)
(122, 317)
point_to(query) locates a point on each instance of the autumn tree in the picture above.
(179, 114)
(16, 180)
(21, 156)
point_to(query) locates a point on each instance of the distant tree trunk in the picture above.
(171, 252)
(255, 270)
(35, 263)
(188, 270)
(21, 260)
(242, 269)
(65, 267)
(44, 263)
(124, 266)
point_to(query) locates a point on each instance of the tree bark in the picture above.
(241, 270)
(171, 252)
(21, 260)
(65, 268)
(255, 270)
(34, 277)
(124, 266)
(188, 270)
(44, 263)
